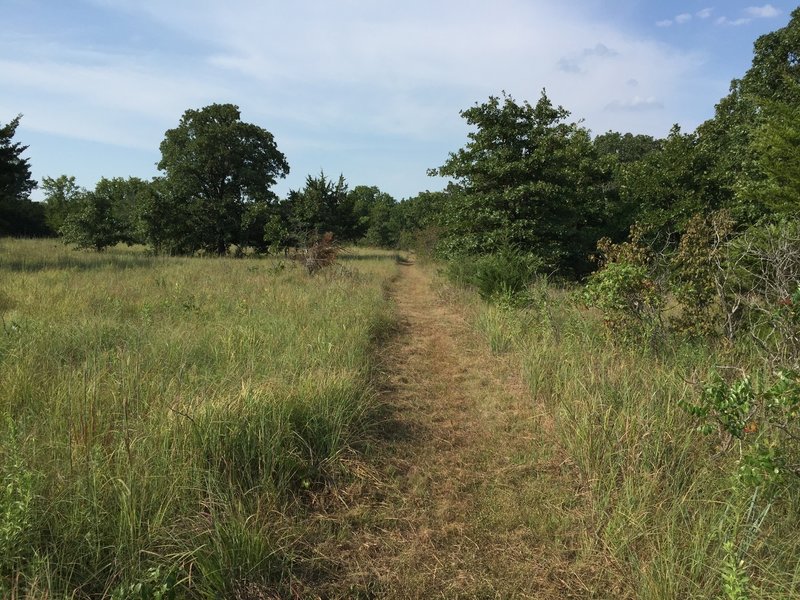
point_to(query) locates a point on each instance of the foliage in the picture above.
(504, 274)
(697, 267)
(91, 223)
(382, 225)
(418, 221)
(215, 167)
(668, 186)
(775, 144)
(529, 180)
(735, 582)
(763, 418)
(372, 216)
(626, 148)
(16, 182)
(748, 143)
(628, 297)
(18, 215)
(320, 207)
(61, 196)
(155, 585)
(127, 198)
(629, 288)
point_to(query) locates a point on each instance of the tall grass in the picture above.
(664, 515)
(161, 419)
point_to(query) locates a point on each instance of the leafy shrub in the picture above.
(697, 272)
(502, 275)
(631, 301)
(629, 288)
(762, 419)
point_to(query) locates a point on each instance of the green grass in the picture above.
(163, 419)
(661, 510)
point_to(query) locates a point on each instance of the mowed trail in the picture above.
(468, 499)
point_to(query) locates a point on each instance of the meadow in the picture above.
(164, 422)
(661, 510)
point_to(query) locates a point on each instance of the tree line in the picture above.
(529, 182)
(214, 196)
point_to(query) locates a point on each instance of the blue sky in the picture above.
(370, 89)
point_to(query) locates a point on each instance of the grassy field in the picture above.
(164, 421)
(662, 512)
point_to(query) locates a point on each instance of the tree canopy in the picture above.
(529, 180)
(18, 215)
(216, 166)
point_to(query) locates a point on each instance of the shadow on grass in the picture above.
(356, 257)
(34, 265)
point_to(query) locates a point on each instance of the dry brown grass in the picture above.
(461, 502)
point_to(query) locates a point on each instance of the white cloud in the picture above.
(589, 56)
(664, 23)
(600, 50)
(763, 12)
(704, 14)
(732, 22)
(683, 18)
(354, 74)
(635, 104)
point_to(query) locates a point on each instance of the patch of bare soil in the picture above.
(468, 498)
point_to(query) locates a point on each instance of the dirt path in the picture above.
(465, 504)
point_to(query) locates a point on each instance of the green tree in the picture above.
(530, 181)
(320, 207)
(168, 219)
(669, 186)
(383, 228)
(625, 148)
(92, 224)
(127, 198)
(776, 143)
(749, 141)
(618, 154)
(61, 196)
(371, 216)
(217, 167)
(18, 215)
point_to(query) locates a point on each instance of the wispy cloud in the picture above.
(359, 75)
(733, 22)
(676, 20)
(763, 12)
(704, 14)
(635, 104)
(579, 64)
(753, 12)
(600, 50)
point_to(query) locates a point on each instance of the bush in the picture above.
(630, 299)
(504, 274)
(698, 275)
(764, 281)
(760, 419)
